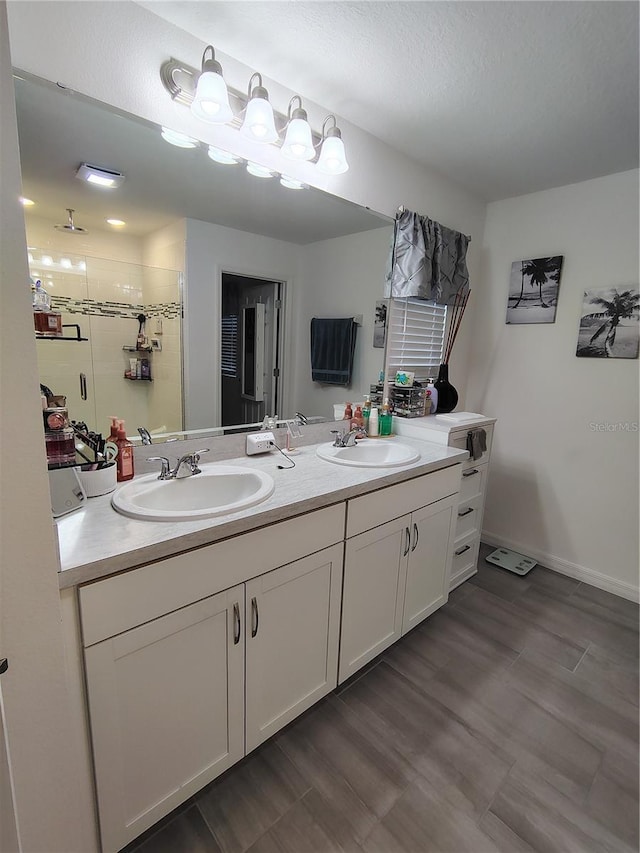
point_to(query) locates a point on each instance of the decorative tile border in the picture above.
(125, 310)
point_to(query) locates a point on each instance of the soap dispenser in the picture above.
(124, 461)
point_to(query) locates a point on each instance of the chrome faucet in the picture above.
(345, 439)
(145, 435)
(186, 466)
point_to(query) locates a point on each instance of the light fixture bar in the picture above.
(180, 82)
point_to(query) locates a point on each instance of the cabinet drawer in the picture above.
(468, 517)
(465, 556)
(370, 511)
(459, 440)
(473, 482)
(116, 604)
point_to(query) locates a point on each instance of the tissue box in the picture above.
(404, 379)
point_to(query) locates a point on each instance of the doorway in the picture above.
(251, 346)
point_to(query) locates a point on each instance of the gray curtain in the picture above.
(428, 260)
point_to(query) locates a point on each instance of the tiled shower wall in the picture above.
(104, 297)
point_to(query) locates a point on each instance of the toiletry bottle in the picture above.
(373, 421)
(427, 401)
(434, 396)
(348, 412)
(366, 413)
(357, 421)
(385, 418)
(124, 462)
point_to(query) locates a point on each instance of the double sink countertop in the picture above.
(96, 541)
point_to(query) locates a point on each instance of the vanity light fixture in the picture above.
(298, 142)
(332, 160)
(223, 157)
(292, 183)
(259, 124)
(99, 177)
(47, 260)
(65, 263)
(211, 100)
(180, 140)
(26, 202)
(117, 223)
(259, 171)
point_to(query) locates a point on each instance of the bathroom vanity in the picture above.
(194, 642)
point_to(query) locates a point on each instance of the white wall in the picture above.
(560, 490)
(53, 812)
(341, 277)
(210, 251)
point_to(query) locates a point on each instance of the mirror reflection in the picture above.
(194, 283)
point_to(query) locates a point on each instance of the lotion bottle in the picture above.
(124, 461)
(373, 421)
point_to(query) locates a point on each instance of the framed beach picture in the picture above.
(533, 290)
(380, 324)
(609, 323)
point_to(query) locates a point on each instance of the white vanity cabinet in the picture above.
(396, 572)
(292, 629)
(166, 702)
(183, 679)
(473, 488)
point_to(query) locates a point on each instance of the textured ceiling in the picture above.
(503, 97)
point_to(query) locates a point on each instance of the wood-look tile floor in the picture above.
(508, 721)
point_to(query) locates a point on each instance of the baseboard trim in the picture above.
(564, 567)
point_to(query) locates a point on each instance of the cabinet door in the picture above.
(291, 634)
(166, 704)
(373, 593)
(432, 533)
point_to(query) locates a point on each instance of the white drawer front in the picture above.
(377, 508)
(465, 555)
(468, 517)
(459, 440)
(473, 483)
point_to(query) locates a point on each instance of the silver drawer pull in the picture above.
(470, 473)
(236, 624)
(466, 512)
(417, 536)
(462, 550)
(254, 616)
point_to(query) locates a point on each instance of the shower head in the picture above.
(70, 228)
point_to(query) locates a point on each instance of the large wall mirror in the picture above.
(196, 311)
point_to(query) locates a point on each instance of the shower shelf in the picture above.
(137, 349)
(76, 337)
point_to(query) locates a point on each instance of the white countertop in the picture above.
(96, 541)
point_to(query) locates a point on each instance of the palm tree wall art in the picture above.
(533, 290)
(609, 323)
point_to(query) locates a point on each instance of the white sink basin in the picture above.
(218, 490)
(370, 453)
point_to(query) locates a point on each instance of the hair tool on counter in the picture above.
(288, 458)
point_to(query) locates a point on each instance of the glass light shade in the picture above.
(258, 124)
(333, 160)
(211, 101)
(259, 171)
(291, 183)
(223, 157)
(298, 144)
(180, 140)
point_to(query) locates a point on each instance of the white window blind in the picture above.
(229, 364)
(416, 337)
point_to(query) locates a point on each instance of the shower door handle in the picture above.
(83, 386)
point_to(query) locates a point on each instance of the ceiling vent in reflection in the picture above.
(70, 228)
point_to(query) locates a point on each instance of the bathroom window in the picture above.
(416, 337)
(230, 346)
